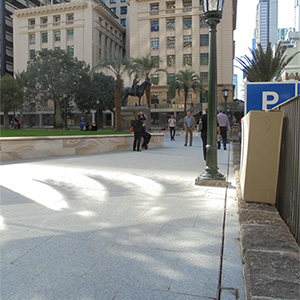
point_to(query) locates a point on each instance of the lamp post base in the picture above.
(208, 179)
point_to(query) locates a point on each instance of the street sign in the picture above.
(267, 95)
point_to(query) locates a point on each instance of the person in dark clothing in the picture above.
(203, 130)
(138, 126)
(94, 127)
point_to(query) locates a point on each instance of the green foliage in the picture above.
(11, 95)
(90, 91)
(37, 132)
(264, 66)
(53, 75)
(143, 66)
(185, 81)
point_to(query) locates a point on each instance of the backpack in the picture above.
(200, 126)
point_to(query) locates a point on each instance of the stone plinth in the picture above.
(41, 147)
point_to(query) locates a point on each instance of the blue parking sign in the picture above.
(267, 95)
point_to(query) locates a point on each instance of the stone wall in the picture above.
(41, 147)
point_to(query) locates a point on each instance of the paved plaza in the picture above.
(121, 225)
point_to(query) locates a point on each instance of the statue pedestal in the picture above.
(127, 113)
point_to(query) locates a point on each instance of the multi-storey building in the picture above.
(87, 29)
(267, 22)
(6, 28)
(176, 33)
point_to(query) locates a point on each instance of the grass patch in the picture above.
(54, 132)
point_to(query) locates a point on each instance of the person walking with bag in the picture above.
(224, 125)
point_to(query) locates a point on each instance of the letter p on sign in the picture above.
(266, 101)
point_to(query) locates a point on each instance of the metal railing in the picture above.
(288, 189)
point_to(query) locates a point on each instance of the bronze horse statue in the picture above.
(139, 92)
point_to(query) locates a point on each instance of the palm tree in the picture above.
(185, 81)
(264, 66)
(143, 67)
(117, 66)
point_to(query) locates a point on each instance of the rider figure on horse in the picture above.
(135, 86)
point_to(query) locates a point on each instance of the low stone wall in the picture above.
(40, 147)
(269, 251)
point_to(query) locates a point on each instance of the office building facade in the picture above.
(267, 23)
(176, 34)
(86, 29)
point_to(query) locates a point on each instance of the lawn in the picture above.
(53, 132)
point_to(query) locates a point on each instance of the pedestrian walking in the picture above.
(172, 127)
(203, 130)
(189, 125)
(224, 125)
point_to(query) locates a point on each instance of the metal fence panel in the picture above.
(288, 194)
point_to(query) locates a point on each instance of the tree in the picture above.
(118, 67)
(12, 97)
(264, 66)
(96, 93)
(185, 81)
(143, 67)
(54, 75)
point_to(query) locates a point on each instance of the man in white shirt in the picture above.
(172, 127)
(224, 125)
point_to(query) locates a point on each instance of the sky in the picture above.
(246, 12)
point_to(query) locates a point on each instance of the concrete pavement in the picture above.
(126, 225)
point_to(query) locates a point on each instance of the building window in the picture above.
(187, 41)
(123, 10)
(70, 35)
(154, 25)
(44, 21)
(56, 20)
(204, 59)
(204, 77)
(32, 39)
(155, 79)
(204, 40)
(70, 19)
(154, 9)
(112, 1)
(171, 60)
(31, 54)
(31, 23)
(122, 1)
(156, 58)
(113, 9)
(57, 36)
(171, 7)
(154, 43)
(123, 22)
(100, 53)
(170, 24)
(171, 42)
(70, 50)
(100, 37)
(201, 4)
(170, 78)
(187, 59)
(57, 48)
(202, 22)
(187, 23)
(187, 5)
(44, 37)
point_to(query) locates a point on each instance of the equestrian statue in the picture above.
(135, 90)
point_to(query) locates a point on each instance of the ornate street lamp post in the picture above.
(225, 93)
(212, 13)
